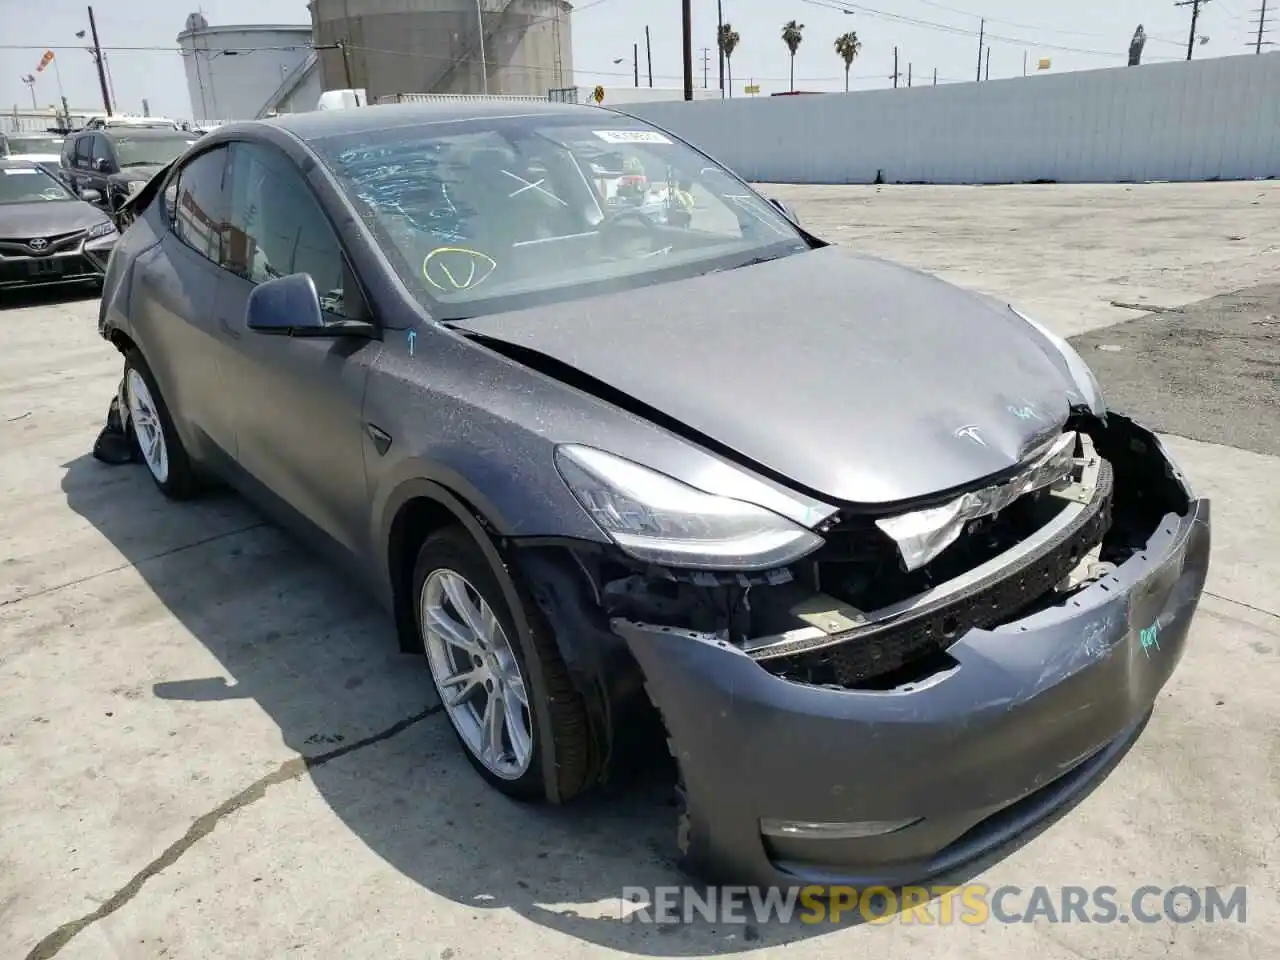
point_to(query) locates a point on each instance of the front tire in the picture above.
(480, 664)
(152, 428)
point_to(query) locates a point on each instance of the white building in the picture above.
(246, 72)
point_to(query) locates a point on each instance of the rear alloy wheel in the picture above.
(503, 688)
(153, 431)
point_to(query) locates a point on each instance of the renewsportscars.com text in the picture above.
(971, 904)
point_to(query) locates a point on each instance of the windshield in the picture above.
(26, 145)
(30, 185)
(495, 214)
(149, 151)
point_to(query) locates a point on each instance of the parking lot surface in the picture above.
(210, 747)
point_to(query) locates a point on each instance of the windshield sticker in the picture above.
(631, 136)
(12, 173)
(413, 336)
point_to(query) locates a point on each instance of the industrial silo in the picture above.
(434, 46)
(232, 71)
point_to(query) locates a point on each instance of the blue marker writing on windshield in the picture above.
(413, 335)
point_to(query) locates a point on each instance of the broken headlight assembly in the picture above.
(1085, 382)
(658, 519)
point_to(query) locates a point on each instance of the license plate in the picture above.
(45, 268)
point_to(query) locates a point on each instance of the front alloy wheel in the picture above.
(498, 672)
(477, 674)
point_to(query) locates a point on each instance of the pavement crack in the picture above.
(201, 828)
(1241, 603)
(132, 563)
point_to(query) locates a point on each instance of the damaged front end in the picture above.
(953, 635)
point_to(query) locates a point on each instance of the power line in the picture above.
(1031, 26)
(406, 53)
(850, 7)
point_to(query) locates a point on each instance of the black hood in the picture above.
(859, 380)
(47, 218)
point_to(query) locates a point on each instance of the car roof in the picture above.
(139, 133)
(318, 124)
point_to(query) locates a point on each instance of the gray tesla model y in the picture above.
(871, 547)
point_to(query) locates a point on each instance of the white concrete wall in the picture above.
(1206, 119)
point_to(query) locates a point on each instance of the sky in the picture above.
(139, 37)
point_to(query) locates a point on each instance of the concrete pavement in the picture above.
(210, 748)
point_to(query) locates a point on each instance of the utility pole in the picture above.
(635, 62)
(648, 51)
(982, 33)
(719, 45)
(706, 66)
(1262, 27)
(908, 74)
(988, 76)
(1195, 16)
(346, 63)
(97, 57)
(895, 68)
(935, 76)
(1024, 63)
(687, 30)
(484, 63)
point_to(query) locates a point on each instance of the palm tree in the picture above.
(728, 39)
(848, 46)
(792, 34)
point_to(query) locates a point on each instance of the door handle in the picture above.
(226, 328)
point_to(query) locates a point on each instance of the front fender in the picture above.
(476, 523)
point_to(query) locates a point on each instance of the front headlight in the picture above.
(104, 229)
(1086, 383)
(660, 520)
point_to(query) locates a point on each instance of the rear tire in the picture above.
(476, 672)
(151, 427)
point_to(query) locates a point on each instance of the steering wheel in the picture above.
(611, 239)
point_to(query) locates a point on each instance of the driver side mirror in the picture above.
(290, 307)
(785, 211)
(90, 196)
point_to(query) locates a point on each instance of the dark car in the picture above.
(47, 233)
(895, 581)
(118, 161)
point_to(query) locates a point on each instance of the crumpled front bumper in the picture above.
(1034, 712)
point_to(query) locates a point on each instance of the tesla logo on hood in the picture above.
(39, 243)
(970, 432)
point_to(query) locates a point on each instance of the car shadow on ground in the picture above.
(48, 296)
(324, 665)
